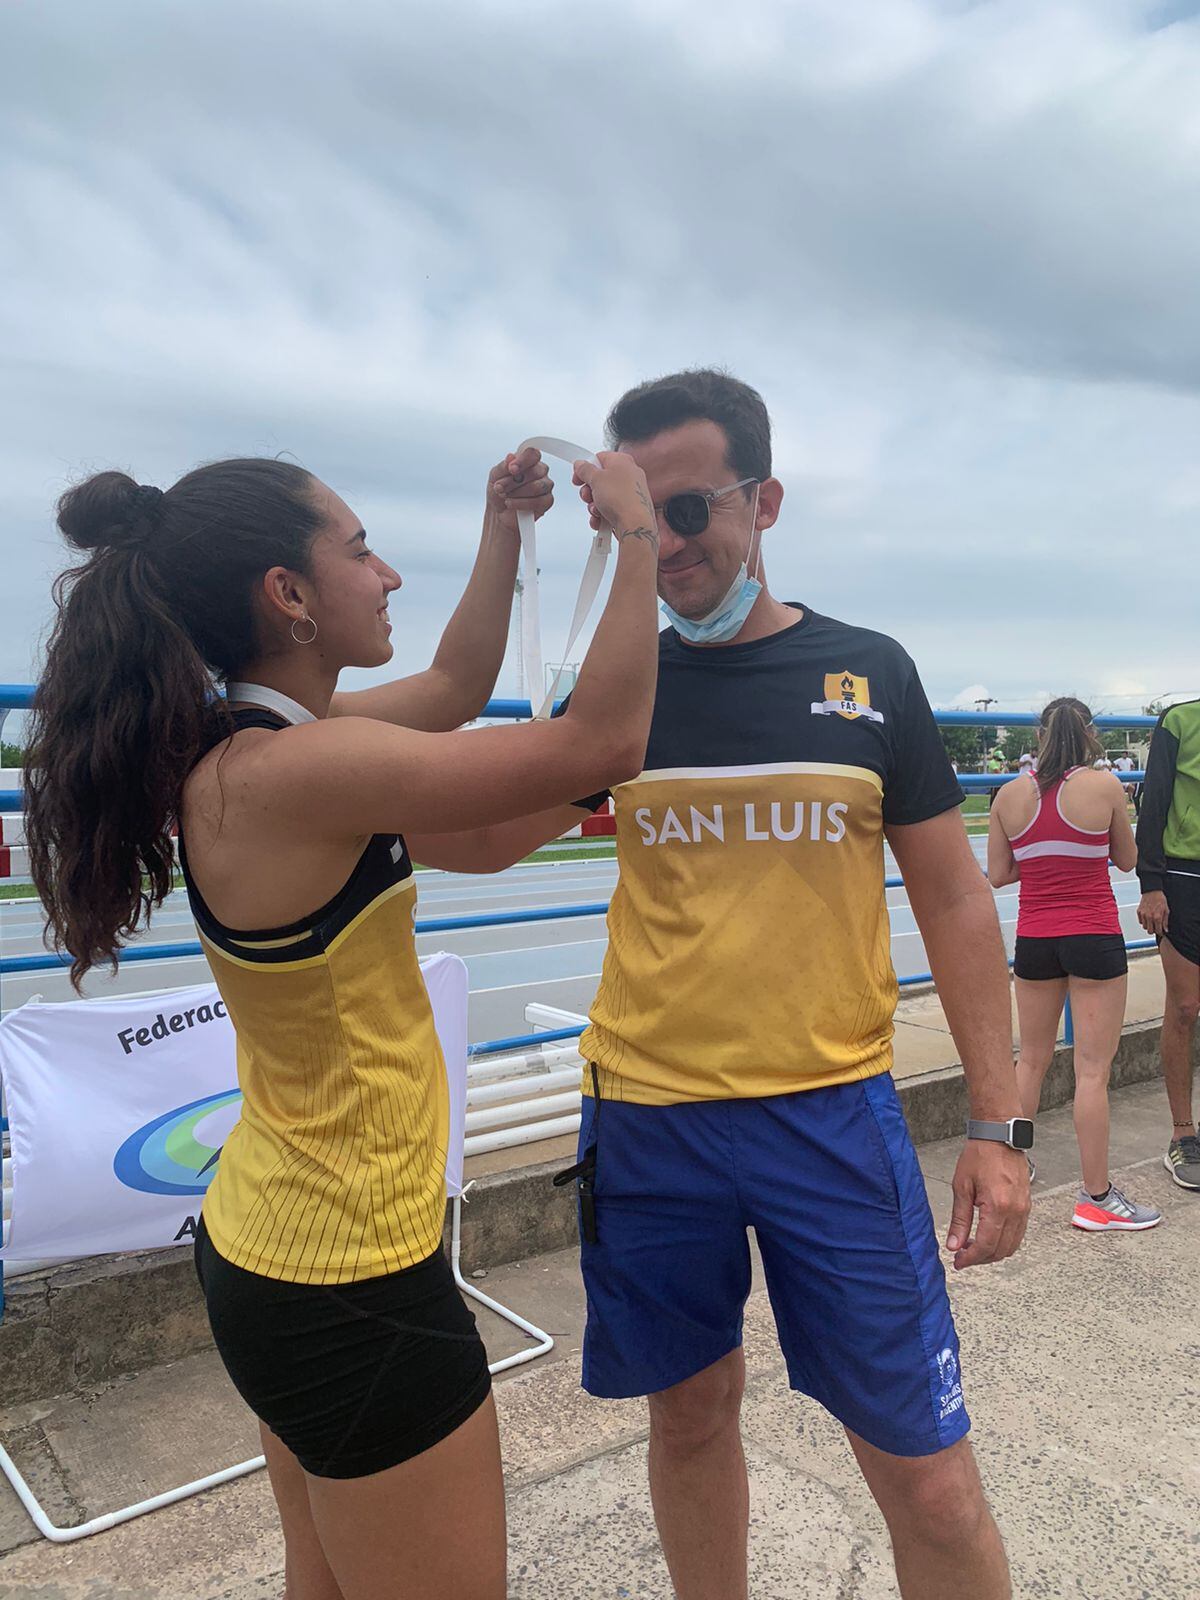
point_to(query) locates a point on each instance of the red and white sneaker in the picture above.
(1116, 1213)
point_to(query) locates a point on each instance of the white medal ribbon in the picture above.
(589, 585)
(257, 694)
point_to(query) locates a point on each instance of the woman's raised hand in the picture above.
(519, 483)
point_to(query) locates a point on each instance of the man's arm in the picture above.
(956, 914)
(1157, 791)
(494, 848)
(455, 688)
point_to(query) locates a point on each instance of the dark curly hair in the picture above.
(159, 613)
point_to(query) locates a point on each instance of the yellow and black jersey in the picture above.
(749, 945)
(335, 1170)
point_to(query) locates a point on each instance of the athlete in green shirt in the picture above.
(1168, 840)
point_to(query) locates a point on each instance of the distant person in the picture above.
(1123, 764)
(1054, 834)
(1168, 866)
(994, 767)
(319, 1250)
(1025, 762)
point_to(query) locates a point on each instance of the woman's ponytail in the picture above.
(159, 611)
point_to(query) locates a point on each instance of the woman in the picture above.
(331, 1302)
(1053, 830)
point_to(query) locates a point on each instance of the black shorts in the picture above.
(353, 1377)
(1183, 920)
(1072, 955)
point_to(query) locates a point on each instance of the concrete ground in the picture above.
(1079, 1361)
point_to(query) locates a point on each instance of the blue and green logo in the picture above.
(166, 1157)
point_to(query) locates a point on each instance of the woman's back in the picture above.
(1060, 841)
(334, 1172)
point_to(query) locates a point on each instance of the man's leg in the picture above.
(667, 1271)
(944, 1538)
(698, 1481)
(1178, 1031)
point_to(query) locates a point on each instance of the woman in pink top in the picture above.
(1054, 830)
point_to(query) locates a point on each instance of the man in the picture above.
(1123, 764)
(740, 1044)
(1168, 841)
(995, 765)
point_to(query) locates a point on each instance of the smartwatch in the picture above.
(1017, 1132)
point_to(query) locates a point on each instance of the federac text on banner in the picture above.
(164, 1026)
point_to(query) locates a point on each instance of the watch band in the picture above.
(1000, 1132)
(1003, 1132)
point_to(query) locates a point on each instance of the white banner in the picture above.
(118, 1110)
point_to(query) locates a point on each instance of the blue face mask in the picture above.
(728, 617)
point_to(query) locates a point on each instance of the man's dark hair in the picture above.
(700, 395)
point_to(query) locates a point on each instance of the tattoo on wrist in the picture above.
(650, 535)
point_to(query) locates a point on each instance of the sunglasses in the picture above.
(688, 514)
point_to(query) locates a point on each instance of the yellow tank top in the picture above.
(335, 1170)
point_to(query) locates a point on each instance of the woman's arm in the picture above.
(1002, 864)
(351, 775)
(456, 686)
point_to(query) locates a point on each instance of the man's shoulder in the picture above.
(1182, 717)
(832, 633)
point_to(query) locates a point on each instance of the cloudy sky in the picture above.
(955, 244)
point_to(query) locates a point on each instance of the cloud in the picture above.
(955, 245)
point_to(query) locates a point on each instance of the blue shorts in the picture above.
(829, 1181)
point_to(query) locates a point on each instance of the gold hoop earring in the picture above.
(312, 635)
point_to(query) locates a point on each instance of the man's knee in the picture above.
(939, 1506)
(689, 1415)
(1184, 1012)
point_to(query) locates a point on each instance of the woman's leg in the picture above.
(1098, 1008)
(307, 1574)
(1039, 1006)
(430, 1527)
